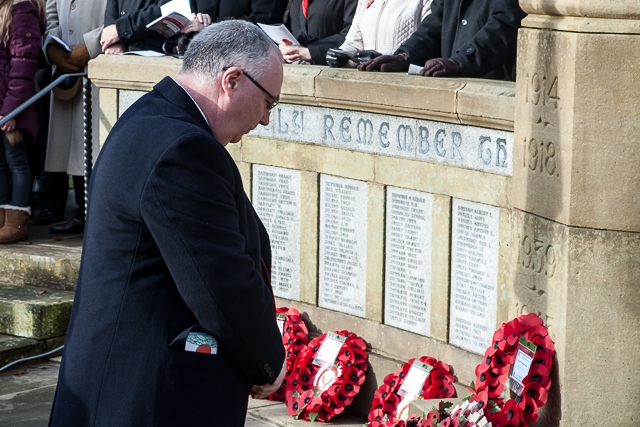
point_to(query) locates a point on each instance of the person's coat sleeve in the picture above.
(195, 223)
(494, 43)
(425, 43)
(25, 41)
(353, 38)
(132, 26)
(318, 49)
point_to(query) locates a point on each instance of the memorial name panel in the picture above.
(407, 298)
(276, 198)
(474, 275)
(343, 245)
(471, 147)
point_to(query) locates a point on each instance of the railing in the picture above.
(87, 119)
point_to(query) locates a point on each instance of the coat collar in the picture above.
(176, 95)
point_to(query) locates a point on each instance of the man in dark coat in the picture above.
(465, 38)
(175, 260)
(126, 21)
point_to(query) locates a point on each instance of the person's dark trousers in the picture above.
(38, 153)
(15, 177)
(76, 224)
(56, 190)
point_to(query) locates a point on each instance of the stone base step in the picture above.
(44, 262)
(15, 348)
(34, 312)
(276, 413)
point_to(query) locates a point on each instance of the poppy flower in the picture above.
(530, 320)
(543, 357)
(529, 409)
(482, 398)
(431, 361)
(535, 391)
(441, 389)
(511, 413)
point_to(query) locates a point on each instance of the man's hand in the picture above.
(109, 37)
(295, 53)
(11, 125)
(60, 58)
(115, 49)
(79, 56)
(263, 391)
(388, 63)
(440, 67)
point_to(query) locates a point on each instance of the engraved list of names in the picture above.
(407, 297)
(474, 274)
(276, 198)
(343, 245)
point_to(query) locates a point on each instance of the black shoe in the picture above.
(74, 226)
(46, 217)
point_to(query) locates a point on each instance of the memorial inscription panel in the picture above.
(276, 198)
(343, 245)
(407, 297)
(483, 149)
(474, 275)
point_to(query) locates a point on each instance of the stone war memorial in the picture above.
(422, 214)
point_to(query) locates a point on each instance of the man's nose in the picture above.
(265, 119)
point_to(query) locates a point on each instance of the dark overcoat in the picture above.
(326, 27)
(171, 245)
(480, 35)
(262, 11)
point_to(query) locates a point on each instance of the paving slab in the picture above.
(34, 312)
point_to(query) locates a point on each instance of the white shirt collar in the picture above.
(194, 101)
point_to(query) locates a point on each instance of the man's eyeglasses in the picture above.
(271, 105)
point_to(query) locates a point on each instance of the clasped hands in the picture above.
(436, 67)
(69, 62)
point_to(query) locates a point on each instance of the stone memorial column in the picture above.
(576, 205)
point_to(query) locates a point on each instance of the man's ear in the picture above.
(229, 80)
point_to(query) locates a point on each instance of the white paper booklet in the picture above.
(175, 16)
(414, 69)
(280, 34)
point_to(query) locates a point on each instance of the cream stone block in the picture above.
(375, 252)
(487, 103)
(299, 81)
(481, 187)
(235, 150)
(583, 25)
(126, 98)
(440, 266)
(131, 71)
(583, 283)
(397, 94)
(619, 9)
(309, 238)
(108, 112)
(245, 173)
(576, 137)
(343, 163)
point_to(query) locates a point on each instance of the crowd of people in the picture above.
(44, 146)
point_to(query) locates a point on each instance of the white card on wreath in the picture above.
(415, 379)
(329, 349)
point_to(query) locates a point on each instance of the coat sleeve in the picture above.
(353, 39)
(319, 48)
(25, 41)
(264, 12)
(425, 42)
(189, 206)
(494, 43)
(132, 27)
(53, 24)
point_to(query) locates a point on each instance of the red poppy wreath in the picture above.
(423, 378)
(295, 338)
(326, 376)
(525, 334)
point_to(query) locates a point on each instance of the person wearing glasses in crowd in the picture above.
(187, 330)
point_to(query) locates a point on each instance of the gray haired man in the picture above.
(174, 318)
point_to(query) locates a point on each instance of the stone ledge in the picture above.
(34, 312)
(14, 348)
(276, 413)
(583, 24)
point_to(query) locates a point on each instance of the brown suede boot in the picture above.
(1, 217)
(15, 226)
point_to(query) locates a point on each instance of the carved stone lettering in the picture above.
(407, 298)
(276, 198)
(474, 275)
(343, 245)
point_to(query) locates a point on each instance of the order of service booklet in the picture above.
(280, 34)
(175, 16)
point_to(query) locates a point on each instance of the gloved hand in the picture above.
(79, 56)
(440, 67)
(366, 55)
(388, 63)
(337, 58)
(60, 58)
